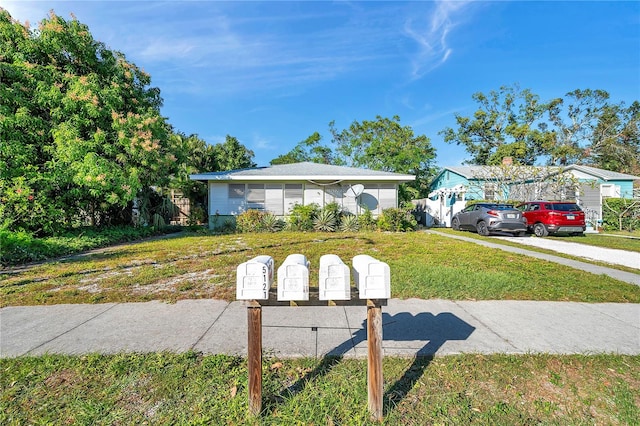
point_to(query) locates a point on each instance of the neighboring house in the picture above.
(276, 189)
(454, 186)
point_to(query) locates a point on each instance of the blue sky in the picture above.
(272, 73)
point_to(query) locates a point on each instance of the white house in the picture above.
(276, 189)
(454, 186)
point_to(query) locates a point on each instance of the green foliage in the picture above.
(250, 221)
(82, 129)
(258, 221)
(301, 217)
(310, 150)
(349, 223)
(385, 145)
(232, 155)
(21, 247)
(618, 147)
(397, 220)
(509, 123)
(620, 214)
(272, 223)
(581, 127)
(366, 221)
(325, 221)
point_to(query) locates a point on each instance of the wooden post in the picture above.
(254, 320)
(374, 359)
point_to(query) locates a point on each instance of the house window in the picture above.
(293, 190)
(292, 195)
(236, 190)
(255, 196)
(489, 191)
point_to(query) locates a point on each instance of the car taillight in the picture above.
(493, 213)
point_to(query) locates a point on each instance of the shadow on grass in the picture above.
(402, 327)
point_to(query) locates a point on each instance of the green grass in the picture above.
(605, 241)
(22, 247)
(190, 388)
(596, 240)
(422, 265)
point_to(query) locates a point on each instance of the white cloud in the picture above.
(431, 36)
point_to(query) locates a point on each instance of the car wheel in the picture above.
(482, 229)
(455, 224)
(540, 230)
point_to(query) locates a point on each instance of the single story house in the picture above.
(276, 189)
(454, 186)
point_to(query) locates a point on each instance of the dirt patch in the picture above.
(202, 279)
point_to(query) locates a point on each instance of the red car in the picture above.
(551, 217)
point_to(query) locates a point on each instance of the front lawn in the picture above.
(169, 389)
(621, 242)
(422, 265)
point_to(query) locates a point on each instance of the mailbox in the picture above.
(254, 278)
(372, 277)
(335, 278)
(293, 278)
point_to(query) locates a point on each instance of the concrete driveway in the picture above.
(629, 259)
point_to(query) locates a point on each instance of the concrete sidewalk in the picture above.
(410, 327)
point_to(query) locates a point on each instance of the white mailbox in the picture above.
(335, 278)
(254, 278)
(293, 278)
(372, 277)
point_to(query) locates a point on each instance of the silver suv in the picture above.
(485, 218)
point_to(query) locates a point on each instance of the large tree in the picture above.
(573, 120)
(82, 133)
(508, 123)
(384, 144)
(580, 128)
(310, 150)
(616, 142)
(232, 155)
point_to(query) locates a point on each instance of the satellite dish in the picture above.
(354, 190)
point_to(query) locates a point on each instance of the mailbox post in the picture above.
(374, 282)
(372, 278)
(253, 282)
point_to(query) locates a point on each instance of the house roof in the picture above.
(602, 174)
(303, 171)
(474, 172)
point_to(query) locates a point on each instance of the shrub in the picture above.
(258, 221)
(23, 247)
(366, 221)
(272, 223)
(325, 221)
(301, 217)
(336, 210)
(349, 223)
(397, 220)
(620, 214)
(250, 221)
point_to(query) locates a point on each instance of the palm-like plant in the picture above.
(349, 223)
(325, 221)
(272, 223)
